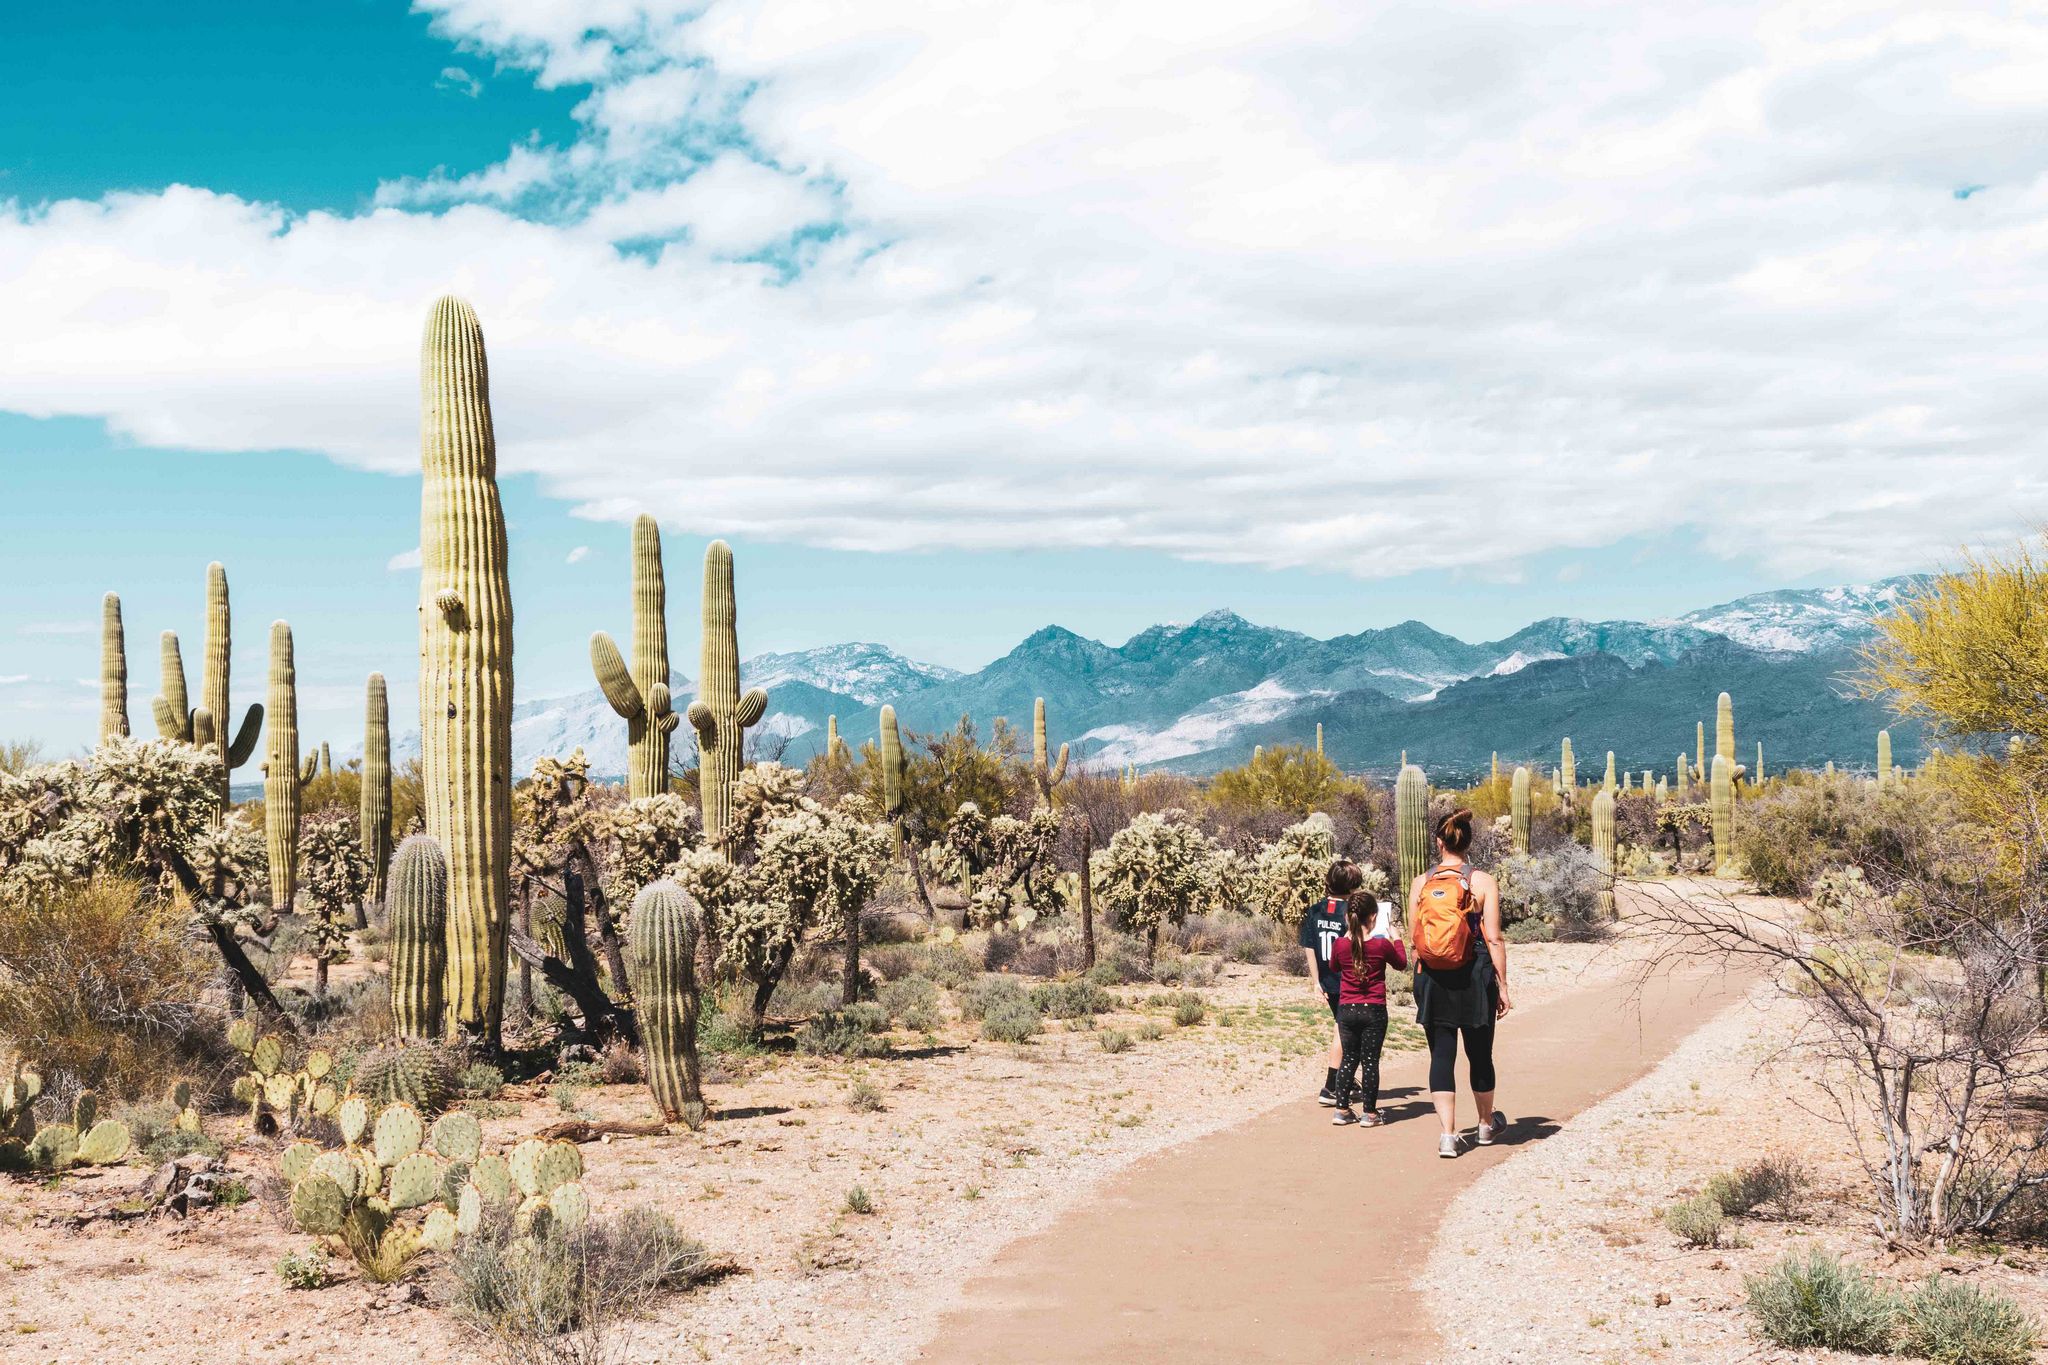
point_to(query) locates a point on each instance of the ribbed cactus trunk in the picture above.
(892, 776)
(1758, 775)
(1411, 828)
(465, 663)
(235, 747)
(1703, 765)
(640, 693)
(1722, 788)
(113, 671)
(417, 902)
(1048, 772)
(1884, 757)
(666, 925)
(172, 708)
(1607, 782)
(374, 807)
(1681, 777)
(1568, 777)
(831, 739)
(1518, 809)
(1495, 775)
(281, 771)
(720, 715)
(1603, 849)
(1724, 728)
(1319, 739)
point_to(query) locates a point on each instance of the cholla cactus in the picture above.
(1004, 863)
(640, 693)
(647, 837)
(1288, 875)
(135, 806)
(336, 880)
(1156, 871)
(1518, 810)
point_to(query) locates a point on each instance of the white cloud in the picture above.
(1298, 284)
(579, 554)
(403, 560)
(460, 81)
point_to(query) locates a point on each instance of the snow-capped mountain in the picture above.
(866, 672)
(1806, 619)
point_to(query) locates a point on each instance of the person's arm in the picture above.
(1397, 956)
(1307, 940)
(1496, 941)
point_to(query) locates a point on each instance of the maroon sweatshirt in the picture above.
(1366, 985)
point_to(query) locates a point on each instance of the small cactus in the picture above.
(665, 930)
(419, 1076)
(418, 916)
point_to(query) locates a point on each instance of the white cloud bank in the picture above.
(1373, 288)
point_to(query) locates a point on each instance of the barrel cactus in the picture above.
(1518, 810)
(1411, 824)
(420, 1075)
(465, 662)
(417, 901)
(1722, 789)
(666, 927)
(640, 693)
(281, 773)
(720, 715)
(374, 806)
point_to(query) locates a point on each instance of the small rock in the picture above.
(1663, 1299)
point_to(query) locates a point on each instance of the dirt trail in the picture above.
(1280, 1239)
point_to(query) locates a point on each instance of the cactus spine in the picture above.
(1411, 825)
(1051, 774)
(1884, 757)
(1603, 848)
(1518, 809)
(1568, 776)
(1722, 787)
(113, 671)
(720, 715)
(465, 661)
(892, 775)
(281, 771)
(1724, 728)
(640, 694)
(418, 918)
(666, 924)
(373, 810)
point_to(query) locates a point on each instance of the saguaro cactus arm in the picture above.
(614, 677)
(703, 722)
(751, 708)
(172, 708)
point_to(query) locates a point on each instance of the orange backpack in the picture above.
(1443, 936)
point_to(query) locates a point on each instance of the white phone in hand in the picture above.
(1382, 924)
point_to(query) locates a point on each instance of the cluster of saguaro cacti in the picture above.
(465, 662)
(891, 751)
(206, 725)
(639, 693)
(282, 775)
(1603, 848)
(1722, 790)
(720, 715)
(1049, 773)
(417, 903)
(667, 924)
(1884, 757)
(1568, 776)
(373, 807)
(1518, 810)
(1411, 827)
(113, 671)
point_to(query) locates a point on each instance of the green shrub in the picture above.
(1011, 1021)
(911, 1001)
(1779, 1181)
(1696, 1222)
(950, 964)
(1114, 1041)
(859, 1201)
(303, 1270)
(481, 1080)
(985, 993)
(727, 1034)
(1535, 930)
(1072, 999)
(1150, 1031)
(1953, 1322)
(1817, 1301)
(1188, 1009)
(851, 1032)
(863, 1098)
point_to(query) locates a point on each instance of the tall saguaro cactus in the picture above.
(1568, 777)
(1724, 728)
(418, 904)
(172, 706)
(1411, 827)
(1607, 782)
(1884, 757)
(891, 751)
(113, 671)
(720, 715)
(1603, 848)
(465, 662)
(1680, 783)
(374, 808)
(835, 747)
(1319, 739)
(666, 926)
(1704, 762)
(640, 693)
(1518, 809)
(281, 773)
(213, 691)
(1051, 774)
(1722, 788)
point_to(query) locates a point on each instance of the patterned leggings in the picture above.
(1363, 1029)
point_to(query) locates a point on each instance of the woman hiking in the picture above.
(1461, 977)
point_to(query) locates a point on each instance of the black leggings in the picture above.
(1363, 1029)
(1443, 1057)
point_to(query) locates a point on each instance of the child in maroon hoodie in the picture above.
(1361, 959)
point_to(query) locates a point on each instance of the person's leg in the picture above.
(1443, 1075)
(1373, 1031)
(1479, 1063)
(1351, 1028)
(1334, 1057)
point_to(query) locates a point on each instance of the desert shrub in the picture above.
(1562, 886)
(1779, 1181)
(863, 1098)
(1119, 960)
(1696, 1222)
(1529, 931)
(1953, 1322)
(303, 1270)
(1149, 1031)
(1114, 1040)
(979, 996)
(720, 1032)
(999, 953)
(1288, 958)
(950, 964)
(912, 1001)
(1783, 840)
(1071, 999)
(1817, 1301)
(619, 1064)
(565, 1299)
(1011, 1021)
(1185, 969)
(850, 1032)
(100, 981)
(802, 999)
(858, 1200)
(153, 1129)
(1188, 1009)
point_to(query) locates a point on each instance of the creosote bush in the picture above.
(1696, 1222)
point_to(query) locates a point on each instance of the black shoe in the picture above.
(1328, 1098)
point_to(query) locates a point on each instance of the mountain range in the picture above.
(1199, 696)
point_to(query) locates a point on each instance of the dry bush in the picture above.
(102, 982)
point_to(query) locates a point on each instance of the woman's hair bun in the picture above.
(1455, 830)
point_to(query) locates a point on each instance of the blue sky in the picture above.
(1335, 316)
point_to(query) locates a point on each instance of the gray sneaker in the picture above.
(1490, 1131)
(1447, 1146)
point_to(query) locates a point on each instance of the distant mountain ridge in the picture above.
(1198, 696)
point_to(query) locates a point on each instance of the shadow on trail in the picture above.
(1528, 1128)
